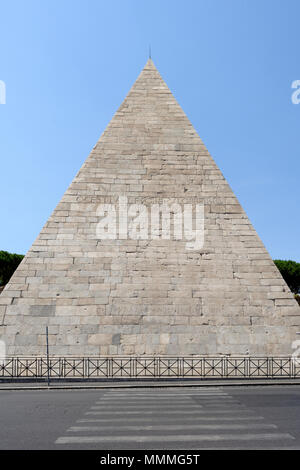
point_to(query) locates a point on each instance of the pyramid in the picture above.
(105, 291)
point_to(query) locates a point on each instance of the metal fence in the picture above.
(148, 367)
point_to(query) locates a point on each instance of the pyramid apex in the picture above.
(150, 64)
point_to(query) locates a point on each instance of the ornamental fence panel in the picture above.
(148, 367)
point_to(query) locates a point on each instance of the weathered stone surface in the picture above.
(148, 296)
(42, 310)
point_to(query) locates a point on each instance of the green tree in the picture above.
(290, 271)
(8, 264)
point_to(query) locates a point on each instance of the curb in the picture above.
(118, 385)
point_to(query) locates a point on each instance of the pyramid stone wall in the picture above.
(149, 296)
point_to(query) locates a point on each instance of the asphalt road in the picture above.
(192, 418)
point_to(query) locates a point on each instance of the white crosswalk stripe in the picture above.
(164, 394)
(163, 416)
(166, 412)
(173, 427)
(150, 419)
(159, 392)
(173, 438)
(143, 407)
(161, 399)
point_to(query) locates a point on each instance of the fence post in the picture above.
(48, 364)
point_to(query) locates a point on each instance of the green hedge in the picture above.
(290, 271)
(8, 264)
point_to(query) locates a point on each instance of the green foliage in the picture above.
(290, 271)
(8, 264)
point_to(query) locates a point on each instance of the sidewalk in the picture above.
(25, 384)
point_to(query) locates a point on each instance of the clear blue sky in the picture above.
(68, 64)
